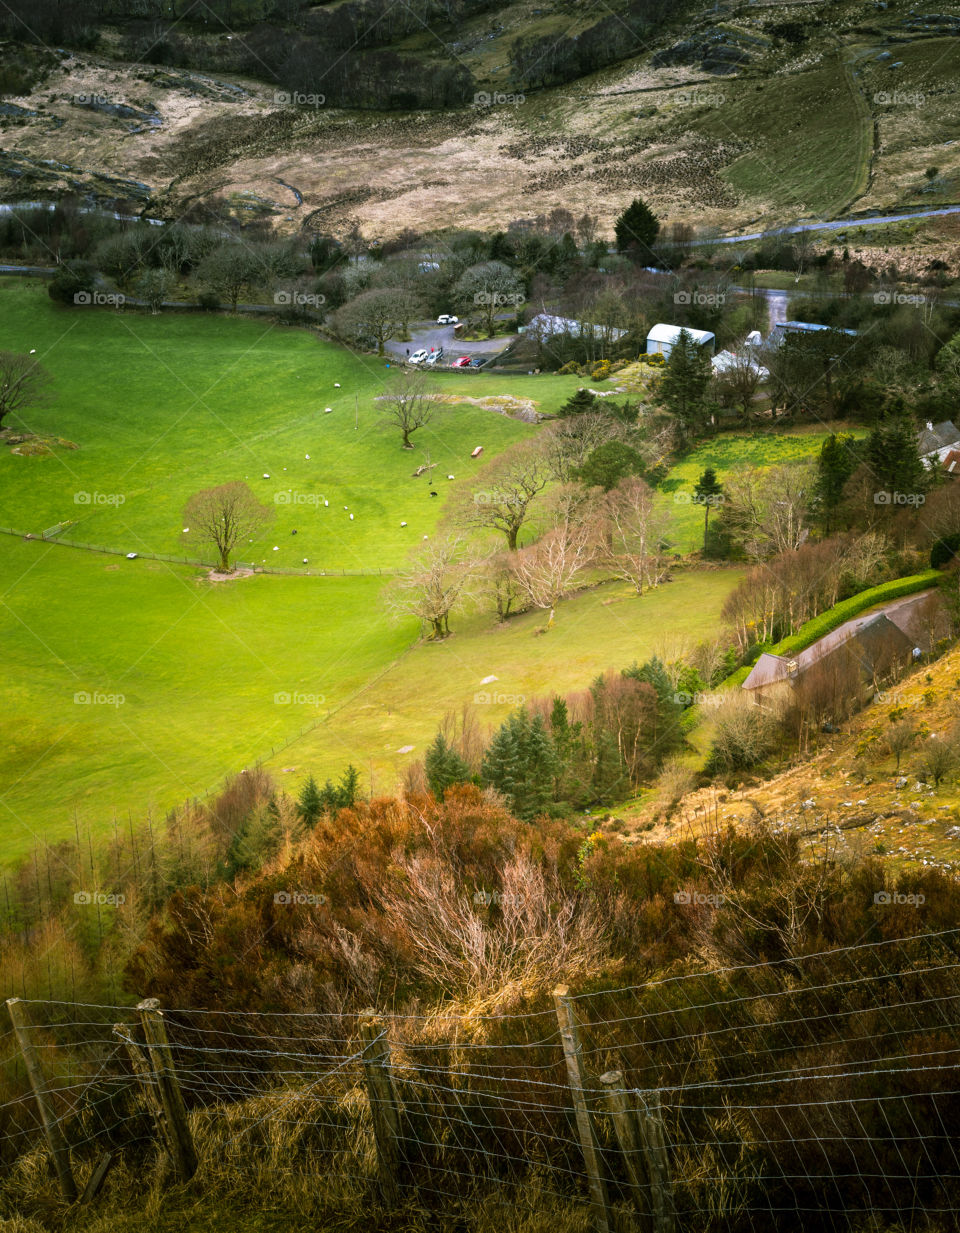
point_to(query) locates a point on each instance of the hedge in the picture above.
(834, 617)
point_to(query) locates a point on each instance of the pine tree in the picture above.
(686, 377)
(349, 788)
(837, 462)
(582, 400)
(309, 804)
(444, 767)
(894, 455)
(636, 229)
(706, 492)
(608, 464)
(520, 762)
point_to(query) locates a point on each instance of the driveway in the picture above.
(426, 335)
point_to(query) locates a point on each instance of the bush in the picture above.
(209, 301)
(744, 734)
(944, 550)
(70, 280)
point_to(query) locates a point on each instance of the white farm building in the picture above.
(663, 337)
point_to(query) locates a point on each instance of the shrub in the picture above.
(744, 734)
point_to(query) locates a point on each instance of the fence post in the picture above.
(626, 1130)
(59, 1151)
(175, 1112)
(384, 1107)
(570, 1037)
(650, 1127)
(141, 1068)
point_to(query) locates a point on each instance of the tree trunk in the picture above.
(225, 560)
(512, 534)
(437, 627)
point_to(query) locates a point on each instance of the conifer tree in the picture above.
(309, 802)
(444, 767)
(683, 388)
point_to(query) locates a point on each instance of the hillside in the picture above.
(845, 798)
(734, 117)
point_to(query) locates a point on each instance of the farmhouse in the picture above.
(937, 442)
(878, 642)
(662, 338)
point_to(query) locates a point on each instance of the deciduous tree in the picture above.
(223, 515)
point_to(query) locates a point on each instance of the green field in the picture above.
(129, 685)
(726, 454)
(163, 406)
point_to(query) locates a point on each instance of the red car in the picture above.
(463, 362)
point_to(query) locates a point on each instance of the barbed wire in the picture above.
(720, 1062)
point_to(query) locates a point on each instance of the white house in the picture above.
(662, 338)
(546, 326)
(725, 360)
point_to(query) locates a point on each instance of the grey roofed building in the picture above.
(545, 325)
(783, 328)
(872, 638)
(938, 440)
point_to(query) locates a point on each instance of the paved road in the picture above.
(839, 224)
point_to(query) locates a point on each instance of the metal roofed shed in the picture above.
(663, 338)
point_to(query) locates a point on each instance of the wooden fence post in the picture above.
(384, 1107)
(59, 1151)
(171, 1098)
(650, 1128)
(628, 1139)
(141, 1068)
(569, 1035)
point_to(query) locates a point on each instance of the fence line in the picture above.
(822, 1085)
(54, 535)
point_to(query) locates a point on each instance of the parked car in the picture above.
(446, 319)
(419, 356)
(476, 363)
(434, 356)
(463, 362)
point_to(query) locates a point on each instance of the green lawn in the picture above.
(198, 666)
(130, 685)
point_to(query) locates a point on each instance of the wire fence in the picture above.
(820, 1087)
(54, 535)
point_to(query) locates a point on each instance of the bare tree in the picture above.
(23, 382)
(769, 510)
(635, 529)
(498, 583)
(407, 403)
(899, 737)
(433, 583)
(224, 515)
(568, 443)
(546, 570)
(374, 316)
(739, 381)
(510, 485)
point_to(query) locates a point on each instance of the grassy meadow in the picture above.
(133, 684)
